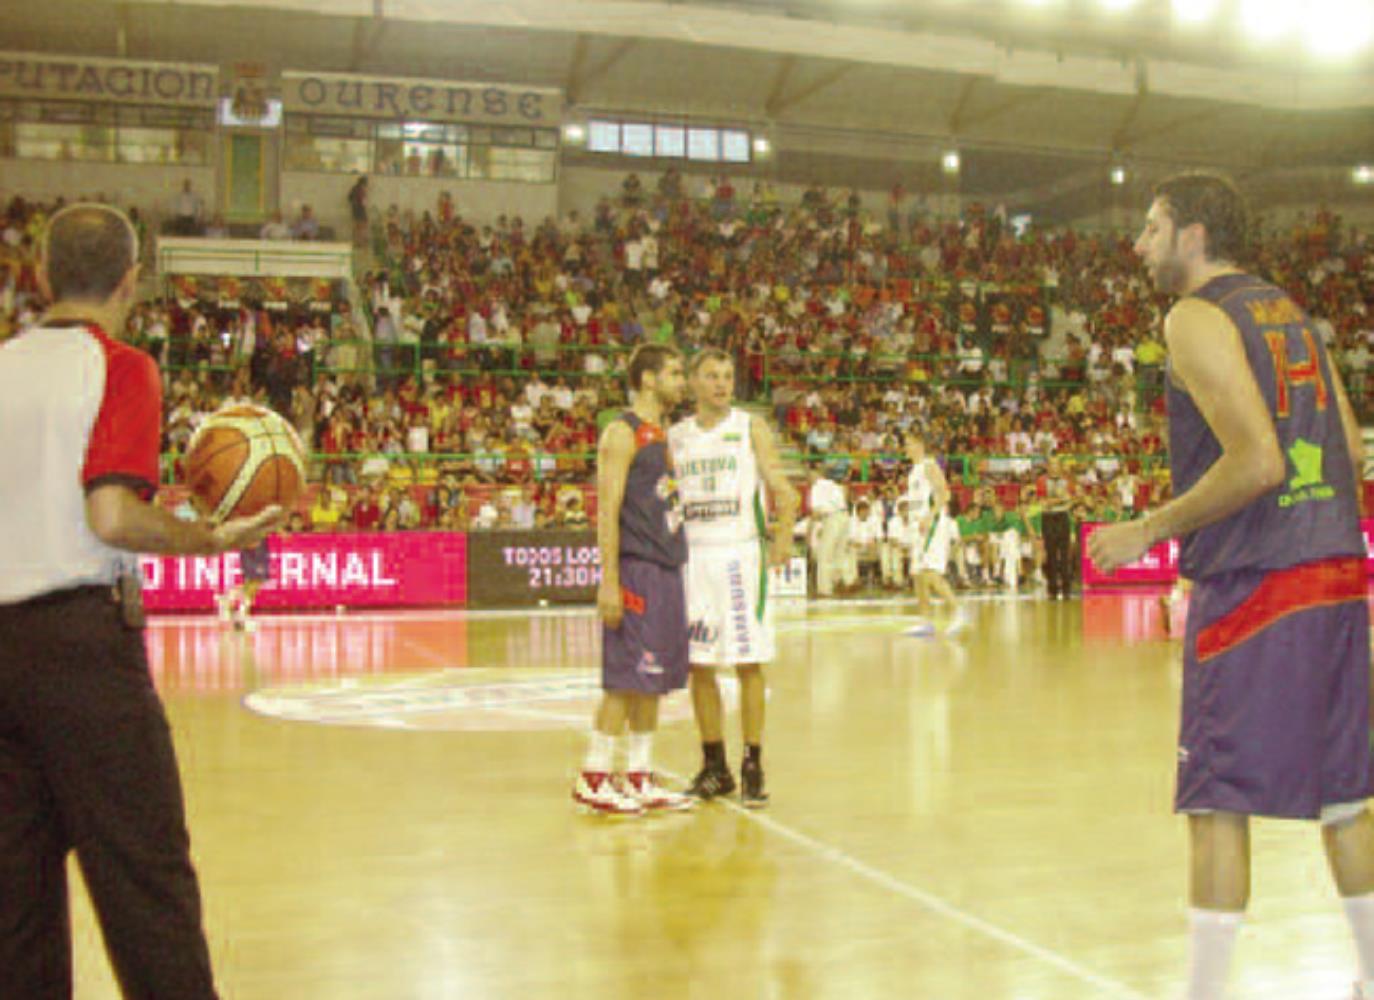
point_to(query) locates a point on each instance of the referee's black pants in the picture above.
(86, 764)
(1057, 527)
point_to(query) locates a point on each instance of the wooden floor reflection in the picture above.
(379, 809)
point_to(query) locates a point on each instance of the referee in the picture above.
(86, 758)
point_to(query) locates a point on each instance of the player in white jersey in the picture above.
(724, 459)
(937, 532)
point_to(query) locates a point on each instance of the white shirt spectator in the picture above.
(826, 497)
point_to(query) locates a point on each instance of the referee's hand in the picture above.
(247, 532)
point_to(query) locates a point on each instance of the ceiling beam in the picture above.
(997, 110)
(956, 118)
(583, 76)
(1122, 134)
(826, 79)
(785, 68)
(1125, 139)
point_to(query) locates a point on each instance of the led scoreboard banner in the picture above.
(523, 568)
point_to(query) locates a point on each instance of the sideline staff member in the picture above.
(86, 757)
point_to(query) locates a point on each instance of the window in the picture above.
(673, 142)
(670, 140)
(734, 146)
(327, 154)
(637, 140)
(41, 141)
(603, 137)
(703, 144)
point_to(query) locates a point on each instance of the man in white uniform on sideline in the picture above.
(829, 530)
(724, 457)
(928, 496)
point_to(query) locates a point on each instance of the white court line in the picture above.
(907, 891)
(928, 900)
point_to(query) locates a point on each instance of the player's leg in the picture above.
(1347, 825)
(596, 787)
(753, 702)
(1348, 836)
(707, 603)
(640, 782)
(1219, 892)
(960, 619)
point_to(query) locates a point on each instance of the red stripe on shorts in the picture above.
(1283, 592)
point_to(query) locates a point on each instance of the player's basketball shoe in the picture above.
(643, 788)
(711, 783)
(962, 620)
(752, 794)
(601, 793)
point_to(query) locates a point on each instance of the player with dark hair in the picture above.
(640, 599)
(1265, 453)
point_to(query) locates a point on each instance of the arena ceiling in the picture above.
(862, 92)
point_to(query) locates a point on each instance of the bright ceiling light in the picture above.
(1118, 176)
(1193, 12)
(1338, 28)
(950, 162)
(1363, 174)
(1268, 20)
(762, 146)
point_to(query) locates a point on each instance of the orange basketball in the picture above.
(242, 459)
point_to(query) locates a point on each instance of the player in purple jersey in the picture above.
(1265, 453)
(642, 598)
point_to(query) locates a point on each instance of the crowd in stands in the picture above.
(482, 355)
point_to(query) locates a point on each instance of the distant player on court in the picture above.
(236, 604)
(927, 495)
(725, 458)
(640, 598)
(1265, 453)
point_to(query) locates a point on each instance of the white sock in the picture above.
(1211, 940)
(1360, 911)
(600, 752)
(641, 752)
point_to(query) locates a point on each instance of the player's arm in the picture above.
(1354, 440)
(786, 501)
(939, 487)
(613, 456)
(1210, 364)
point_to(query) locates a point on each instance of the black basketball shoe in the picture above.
(711, 782)
(752, 795)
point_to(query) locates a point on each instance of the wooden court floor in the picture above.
(380, 809)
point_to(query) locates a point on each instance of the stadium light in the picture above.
(949, 163)
(1338, 29)
(1195, 12)
(574, 134)
(1267, 21)
(1118, 176)
(1363, 174)
(762, 147)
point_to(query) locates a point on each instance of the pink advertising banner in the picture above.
(415, 569)
(1160, 564)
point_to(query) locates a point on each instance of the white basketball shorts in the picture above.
(729, 615)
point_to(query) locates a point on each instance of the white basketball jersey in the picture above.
(920, 491)
(718, 480)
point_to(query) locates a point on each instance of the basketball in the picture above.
(243, 459)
